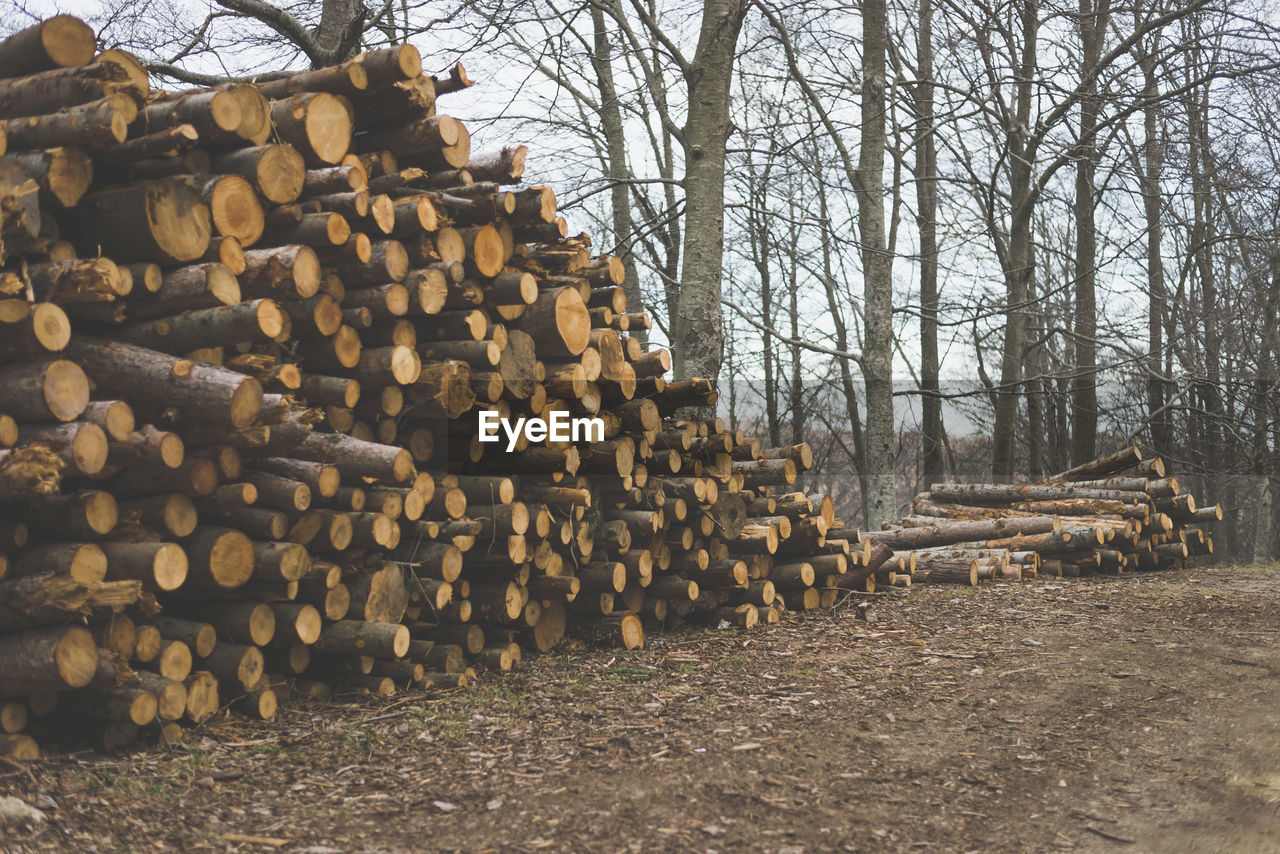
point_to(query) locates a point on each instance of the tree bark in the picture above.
(698, 324)
(926, 170)
(877, 353)
(617, 169)
(1020, 256)
(1084, 385)
(1150, 170)
(338, 36)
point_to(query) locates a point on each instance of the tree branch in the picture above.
(280, 21)
(198, 79)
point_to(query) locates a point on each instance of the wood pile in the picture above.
(249, 335)
(1118, 513)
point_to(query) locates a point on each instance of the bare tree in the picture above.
(926, 174)
(877, 268)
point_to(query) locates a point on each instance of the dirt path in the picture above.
(1134, 714)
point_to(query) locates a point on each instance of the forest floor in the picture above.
(1114, 714)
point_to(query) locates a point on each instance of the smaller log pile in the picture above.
(1118, 513)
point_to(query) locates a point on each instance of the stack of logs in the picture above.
(248, 334)
(1114, 514)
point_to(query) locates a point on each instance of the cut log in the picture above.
(87, 514)
(296, 623)
(159, 566)
(991, 493)
(170, 515)
(173, 661)
(433, 142)
(47, 660)
(354, 637)
(97, 124)
(51, 90)
(170, 695)
(216, 114)
(1102, 466)
(115, 417)
(198, 286)
(82, 562)
(944, 571)
(234, 208)
(62, 41)
(160, 383)
(200, 637)
(162, 221)
(357, 458)
(379, 597)
(558, 322)
(956, 532)
(220, 557)
(317, 124)
(277, 171)
(81, 446)
(324, 479)
(44, 390)
(63, 174)
(237, 666)
(284, 272)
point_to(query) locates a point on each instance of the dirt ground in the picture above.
(1116, 714)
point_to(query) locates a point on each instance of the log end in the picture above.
(67, 41)
(76, 657)
(169, 567)
(66, 390)
(246, 403)
(328, 127)
(281, 173)
(572, 320)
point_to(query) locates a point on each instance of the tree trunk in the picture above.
(1020, 257)
(338, 36)
(858, 456)
(1036, 399)
(698, 324)
(927, 222)
(877, 353)
(1150, 170)
(798, 413)
(1264, 385)
(1084, 385)
(615, 139)
(760, 254)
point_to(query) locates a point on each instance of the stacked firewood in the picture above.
(1114, 514)
(249, 333)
